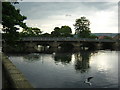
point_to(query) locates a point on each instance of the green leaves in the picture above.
(31, 32)
(10, 18)
(64, 31)
(82, 27)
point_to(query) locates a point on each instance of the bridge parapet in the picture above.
(65, 39)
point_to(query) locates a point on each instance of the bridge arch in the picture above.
(42, 46)
(66, 45)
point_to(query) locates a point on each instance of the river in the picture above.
(70, 69)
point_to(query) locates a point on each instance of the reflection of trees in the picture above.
(33, 57)
(63, 58)
(82, 61)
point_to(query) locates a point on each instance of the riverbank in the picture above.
(13, 78)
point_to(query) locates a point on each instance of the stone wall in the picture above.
(13, 75)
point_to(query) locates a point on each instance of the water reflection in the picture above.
(82, 60)
(81, 64)
(33, 57)
(71, 69)
(64, 58)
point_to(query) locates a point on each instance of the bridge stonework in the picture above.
(54, 44)
(99, 45)
(30, 46)
(76, 45)
(116, 45)
(31, 43)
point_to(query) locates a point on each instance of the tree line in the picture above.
(12, 18)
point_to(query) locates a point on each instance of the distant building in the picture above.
(105, 34)
(101, 37)
(117, 36)
(105, 37)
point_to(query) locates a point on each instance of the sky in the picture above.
(48, 15)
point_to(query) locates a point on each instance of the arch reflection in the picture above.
(33, 57)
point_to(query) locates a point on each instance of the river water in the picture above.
(70, 69)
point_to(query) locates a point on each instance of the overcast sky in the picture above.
(48, 15)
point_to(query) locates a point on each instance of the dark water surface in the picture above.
(69, 70)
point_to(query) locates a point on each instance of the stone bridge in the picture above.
(75, 42)
(34, 42)
(64, 39)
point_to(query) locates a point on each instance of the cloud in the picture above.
(70, 0)
(48, 15)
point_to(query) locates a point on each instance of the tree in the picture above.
(11, 18)
(31, 32)
(64, 31)
(82, 27)
(93, 36)
(46, 35)
(56, 32)
(37, 31)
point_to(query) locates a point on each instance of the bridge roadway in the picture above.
(37, 39)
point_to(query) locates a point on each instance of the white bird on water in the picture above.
(87, 81)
